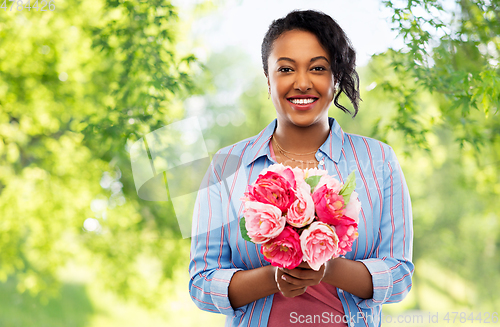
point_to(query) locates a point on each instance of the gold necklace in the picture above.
(296, 154)
(280, 149)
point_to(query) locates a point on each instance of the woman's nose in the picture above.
(302, 82)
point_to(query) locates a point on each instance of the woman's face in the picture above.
(300, 78)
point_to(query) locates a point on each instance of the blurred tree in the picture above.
(77, 86)
(461, 67)
(445, 91)
(235, 105)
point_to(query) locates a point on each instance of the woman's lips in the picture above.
(307, 106)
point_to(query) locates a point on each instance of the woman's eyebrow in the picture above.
(285, 59)
(313, 59)
(320, 57)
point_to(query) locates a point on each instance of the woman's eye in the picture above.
(319, 68)
(285, 69)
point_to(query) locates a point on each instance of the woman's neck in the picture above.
(298, 139)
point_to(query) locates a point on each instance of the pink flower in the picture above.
(329, 205)
(319, 244)
(263, 221)
(353, 208)
(272, 188)
(330, 182)
(283, 251)
(286, 172)
(301, 212)
(299, 176)
(347, 234)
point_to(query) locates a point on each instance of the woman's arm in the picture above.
(390, 264)
(210, 267)
(349, 275)
(247, 286)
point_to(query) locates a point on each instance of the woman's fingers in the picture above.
(293, 280)
(288, 284)
(305, 273)
(294, 293)
(304, 264)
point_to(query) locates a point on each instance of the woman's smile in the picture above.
(302, 102)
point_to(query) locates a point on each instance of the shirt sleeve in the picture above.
(210, 267)
(391, 267)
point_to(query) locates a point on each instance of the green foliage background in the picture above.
(80, 84)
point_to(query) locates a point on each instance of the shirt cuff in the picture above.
(381, 280)
(219, 291)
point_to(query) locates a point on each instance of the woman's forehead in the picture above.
(297, 44)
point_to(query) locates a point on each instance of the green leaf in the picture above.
(349, 187)
(243, 230)
(313, 181)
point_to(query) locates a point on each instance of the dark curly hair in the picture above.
(332, 38)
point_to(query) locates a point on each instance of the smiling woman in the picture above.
(300, 79)
(308, 62)
(302, 86)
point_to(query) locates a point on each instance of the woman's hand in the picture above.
(294, 282)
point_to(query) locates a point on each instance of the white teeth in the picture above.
(302, 101)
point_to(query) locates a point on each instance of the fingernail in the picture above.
(283, 277)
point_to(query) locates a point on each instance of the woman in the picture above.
(308, 62)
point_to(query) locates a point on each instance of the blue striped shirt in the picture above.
(385, 228)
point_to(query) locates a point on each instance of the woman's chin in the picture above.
(304, 120)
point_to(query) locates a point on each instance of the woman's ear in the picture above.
(335, 86)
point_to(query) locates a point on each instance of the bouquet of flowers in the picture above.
(300, 215)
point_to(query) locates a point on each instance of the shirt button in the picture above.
(322, 161)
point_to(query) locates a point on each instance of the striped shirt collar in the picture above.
(332, 147)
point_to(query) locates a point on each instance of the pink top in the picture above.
(318, 306)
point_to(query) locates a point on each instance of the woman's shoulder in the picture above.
(368, 144)
(241, 152)
(239, 146)
(249, 145)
